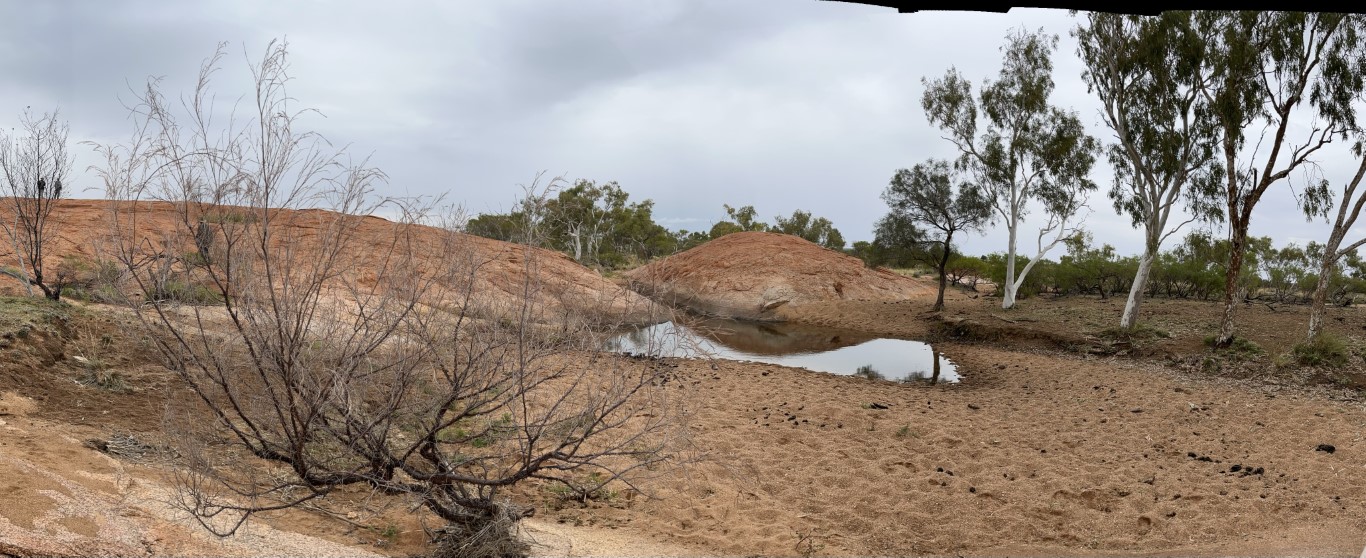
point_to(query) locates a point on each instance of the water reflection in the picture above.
(816, 348)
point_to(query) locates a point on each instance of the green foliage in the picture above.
(1193, 269)
(1026, 149)
(1264, 71)
(599, 226)
(1088, 270)
(896, 243)
(687, 240)
(818, 230)
(506, 228)
(802, 224)
(934, 202)
(863, 250)
(1146, 72)
(595, 224)
(723, 228)
(966, 271)
(1324, 350)
(1040, 280)
(389, 533)
(743, 218)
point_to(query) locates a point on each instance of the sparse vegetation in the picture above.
(1323, 350)
(451, 405)
(20, 315)
(1240, 347)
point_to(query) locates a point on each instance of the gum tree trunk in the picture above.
(1238, 243)
(1320, 298)
(1145, 265)
(1008, 294)
(1326, 267)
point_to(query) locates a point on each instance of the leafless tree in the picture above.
(349, 351)
(36, 169)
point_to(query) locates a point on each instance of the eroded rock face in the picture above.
(761, 276)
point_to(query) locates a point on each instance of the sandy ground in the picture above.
(62, 498)
(1036, 453)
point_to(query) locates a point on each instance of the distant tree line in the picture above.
(599, 226)
(1208, 110)
(1194, 269)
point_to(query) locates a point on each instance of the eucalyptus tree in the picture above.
(815, 229)
(1267, 76)
(925, 197)
(1146, 72)
(1029, 149)
(1348, 210)
(741, 220)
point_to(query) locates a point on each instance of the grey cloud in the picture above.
(774, 103)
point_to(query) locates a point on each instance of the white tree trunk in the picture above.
(1008, 292)
(1145, 265)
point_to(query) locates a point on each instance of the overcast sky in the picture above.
(779, 104)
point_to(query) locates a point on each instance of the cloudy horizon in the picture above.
(778, 104)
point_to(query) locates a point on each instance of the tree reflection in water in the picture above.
(813, 347)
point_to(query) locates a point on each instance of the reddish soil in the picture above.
(760, 276)
(84, 231)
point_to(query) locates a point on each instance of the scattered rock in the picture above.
(1326, 448)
